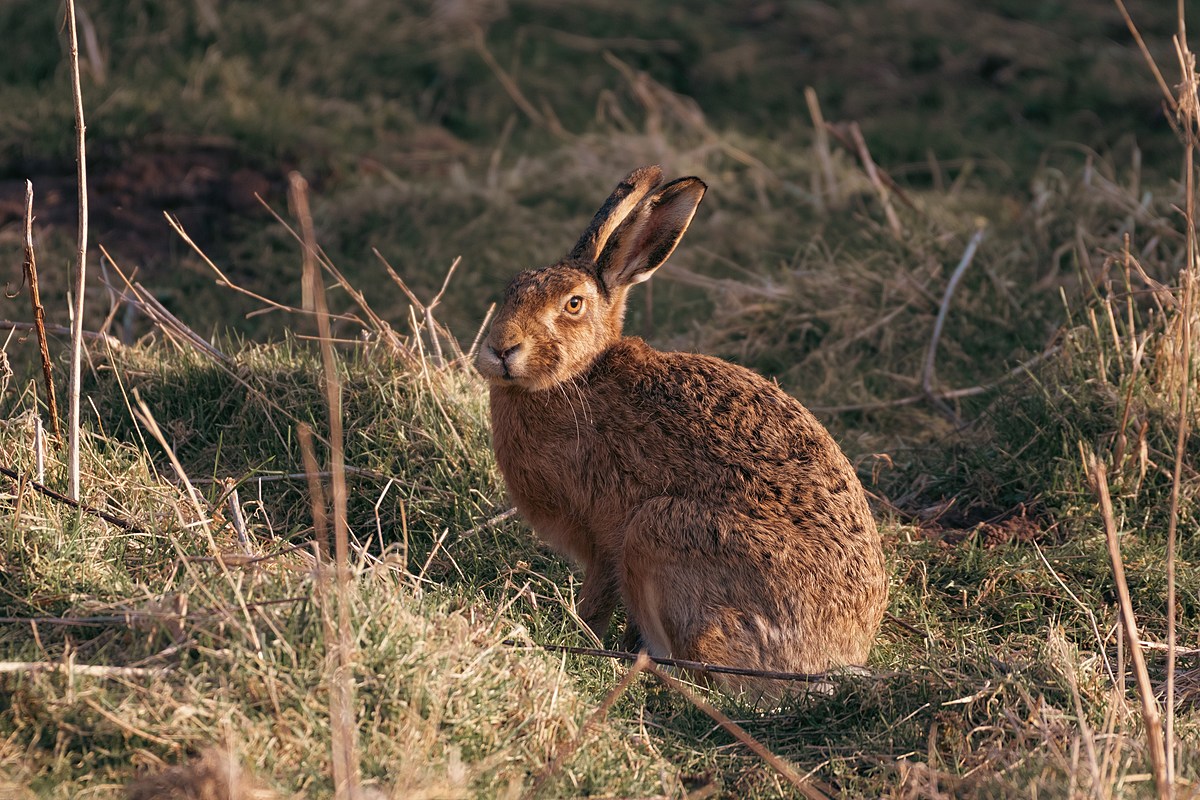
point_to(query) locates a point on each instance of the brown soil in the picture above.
(204, 183)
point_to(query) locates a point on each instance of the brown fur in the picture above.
(715, 505)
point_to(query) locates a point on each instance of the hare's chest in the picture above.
(548, 449)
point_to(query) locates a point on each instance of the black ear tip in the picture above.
(651, 174)
(679, 186)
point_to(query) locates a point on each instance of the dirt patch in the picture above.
(1015, 526)
(204, 183)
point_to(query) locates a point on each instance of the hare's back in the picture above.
(721, 409)
(724, 432)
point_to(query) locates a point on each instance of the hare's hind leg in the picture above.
(695, 595)
(722, 588)
(674, 588)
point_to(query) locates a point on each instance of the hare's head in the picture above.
(557, 320)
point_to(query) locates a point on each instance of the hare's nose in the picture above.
(506, 352)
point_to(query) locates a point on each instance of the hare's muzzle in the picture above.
(497, 362)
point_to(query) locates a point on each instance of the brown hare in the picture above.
(714, 504)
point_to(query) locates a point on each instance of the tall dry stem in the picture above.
(1150, 713)
(1186, 108)
(339, 636)
(81, 259)
(1188, 125)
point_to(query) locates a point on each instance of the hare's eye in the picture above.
(574, 305)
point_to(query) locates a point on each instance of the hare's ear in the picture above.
(649, 234)
(616, 208)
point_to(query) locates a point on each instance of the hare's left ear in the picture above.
(649, 234)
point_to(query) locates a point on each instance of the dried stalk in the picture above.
(927, 369)
(1189, 123)
(81, 260)
(236, 516)
(310, 276)
(39, 450)
(92, 671)
(58, 330)
(346, 778)
(821, 145)
(479, 334)
(381, 326)
(951, 394)
(39, 313)
(316, 490)
(549, 122)
(1150, 714)
(491, 523)
(694, 666)
(1137, 37)
(431, 323)
(868, 164)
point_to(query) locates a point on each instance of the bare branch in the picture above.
(39, 314)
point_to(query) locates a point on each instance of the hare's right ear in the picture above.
(616, 208)
(649, 234)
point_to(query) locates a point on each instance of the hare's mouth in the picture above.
(496, 368)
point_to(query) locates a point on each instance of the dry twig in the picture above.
(124, 525)
(821, 146)
(868, 163)
(694, 666)
(91, 670)
(952, 394)
(549, 122)
(1137, 37)
(927, 370)
(738, 732)
(888, 181)
(491, 523)
(39, 314)
(58, 330)
(431, 323)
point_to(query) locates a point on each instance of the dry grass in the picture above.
(446, 710)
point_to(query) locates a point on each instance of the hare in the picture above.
(712, 503)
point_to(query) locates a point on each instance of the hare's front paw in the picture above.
(598, 598)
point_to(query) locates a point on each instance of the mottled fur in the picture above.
(715, 505)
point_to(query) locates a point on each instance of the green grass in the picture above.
(973, 694)
(1037, 121)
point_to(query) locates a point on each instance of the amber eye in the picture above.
(574, 305)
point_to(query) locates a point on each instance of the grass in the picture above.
(1001, 671)
(974, 696)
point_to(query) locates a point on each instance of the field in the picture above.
(976, 275)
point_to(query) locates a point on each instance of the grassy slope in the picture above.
(401, 125)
